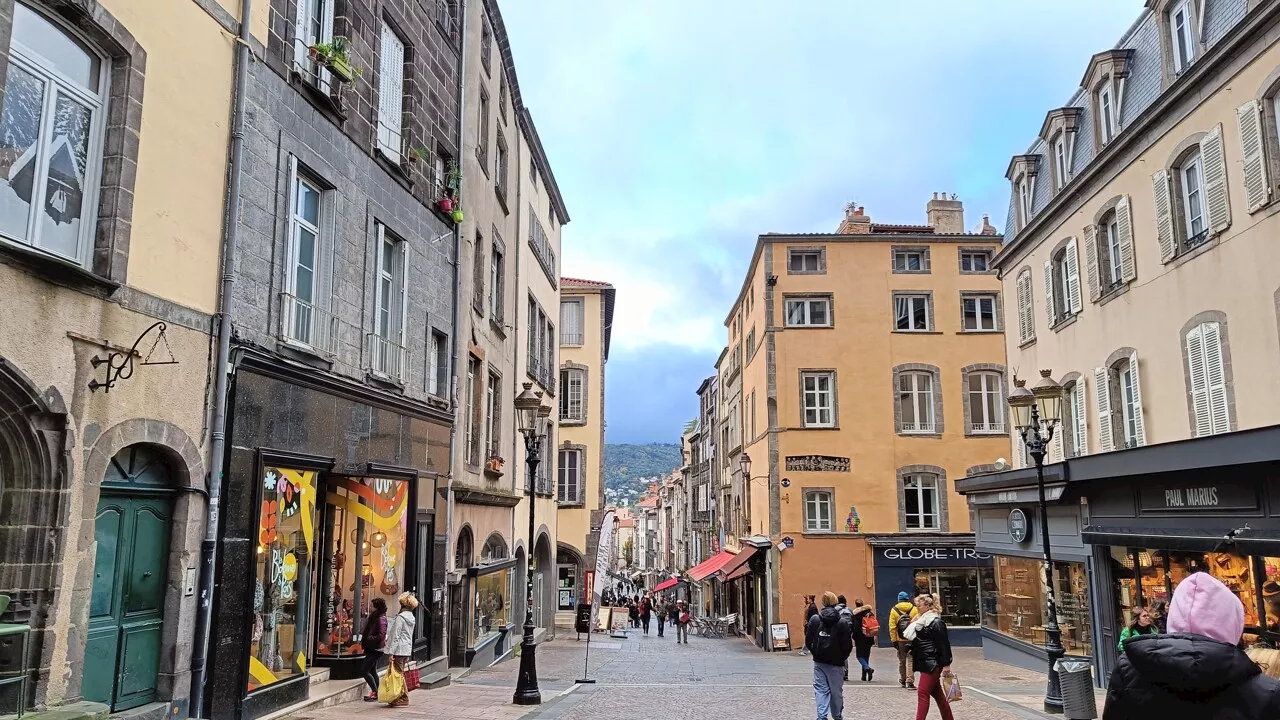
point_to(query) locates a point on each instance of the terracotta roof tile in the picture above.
(585, 283)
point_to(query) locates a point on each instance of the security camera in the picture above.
(1001, 464)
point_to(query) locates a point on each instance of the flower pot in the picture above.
(446, 205)
(315, 55)
(457, 216)
(341, 69)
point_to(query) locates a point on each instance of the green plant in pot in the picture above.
(457, 215)
(336, 55)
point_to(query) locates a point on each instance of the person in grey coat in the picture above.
(400, 639)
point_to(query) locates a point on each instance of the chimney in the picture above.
(987, 227)
(946, 214)
(856, 221)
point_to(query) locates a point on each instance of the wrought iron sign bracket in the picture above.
(120, 364)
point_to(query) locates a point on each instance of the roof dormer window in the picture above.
(1022, 174)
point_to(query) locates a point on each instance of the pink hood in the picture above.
(1202, 605)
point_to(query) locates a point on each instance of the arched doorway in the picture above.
(463, 558)
(126, 607)
(544, 590)
(569, 590)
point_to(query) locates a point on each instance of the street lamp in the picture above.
(1035, 414)
(532, 418)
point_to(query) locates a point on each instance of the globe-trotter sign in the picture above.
(931, 556)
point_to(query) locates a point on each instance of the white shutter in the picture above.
(1055, 449)
(1124, 228)
(291, 249)
(1026, 317)
(1216, 378)
(1257, 190)
(1199, 386)
(1081, 428)
(1048, 292)
(1072, 291)
(402, 249)
(1031, 196)
(377, 275)
(326, 35)
(1217, 205)
(390, 94)
(1102, 391)
(300, 39)
(1140, 432)
(1091, 261)
(1164, 214)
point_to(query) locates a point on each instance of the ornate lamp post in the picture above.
(532, 417)
(1036, 412)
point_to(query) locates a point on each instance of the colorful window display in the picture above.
(284, 578)
(365, 541)
(491, 612)
(1015, 602)
(1146, 578)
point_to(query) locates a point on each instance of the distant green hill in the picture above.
(628, 469)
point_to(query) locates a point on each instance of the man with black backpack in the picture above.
(829, 638)
(899, 618)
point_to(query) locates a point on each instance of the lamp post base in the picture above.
(1053, 693)
(527, 692)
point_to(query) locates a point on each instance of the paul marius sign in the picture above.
(931, 556)
(1203, 498)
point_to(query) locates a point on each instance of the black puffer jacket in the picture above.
(931, 646)
(1189, 676)
(833, 630)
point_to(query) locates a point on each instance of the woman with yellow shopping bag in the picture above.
(392, 690)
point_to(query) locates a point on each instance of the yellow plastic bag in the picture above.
(391, 688)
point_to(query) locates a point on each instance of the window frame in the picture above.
(563, 481)
(819, 500)
(926, 297)
(977, 298)
(986, 256)
(568, 339)
(493, 416)
(474, 415)
(924, 482)
(391, 142)
(905, 254)
(1106, 111)
(818, 394)
(1061, 169)
(568, 375)
(497, 281)
(1129, 407)
(807, 302)
(918, 397)
(1193, 160)
(437, 374)
(1187, 36)
(397, 312)
(1025, 201)
(802, 253)
(482, 132)
(486, 45)
(992, 402)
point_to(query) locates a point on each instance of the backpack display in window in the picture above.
(870, 625)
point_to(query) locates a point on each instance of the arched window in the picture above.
(463, 554)
(495, 549)
(51, 138)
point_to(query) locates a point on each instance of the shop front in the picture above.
(329, 505)
(947, 566)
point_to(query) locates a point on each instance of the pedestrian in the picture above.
(1199, 669)
(829, 639)
(810, 610)
(373, 636)
(633, 613)
(1143, 624)
(931, 656)
(682, 623)
(662, 616)
(673, 612)
(865, 629)
(899, 618)
(646, 613)
(1161, 616)
(400, 639)
(842, 605)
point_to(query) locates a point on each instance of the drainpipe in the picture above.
(515, 333)
(222, 371)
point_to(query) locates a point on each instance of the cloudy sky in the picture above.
(679, 130)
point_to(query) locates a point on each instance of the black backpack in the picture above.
(825, 642)
(904, 622)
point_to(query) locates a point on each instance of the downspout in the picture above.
(515, 332)
(457, 314)
(222, 370)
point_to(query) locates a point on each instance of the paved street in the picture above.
(651, 677)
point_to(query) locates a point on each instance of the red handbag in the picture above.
(411, 680)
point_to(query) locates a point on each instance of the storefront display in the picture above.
(565, 588)
(283, 581)
(1016, 602)
(957, 592)
(491, 612)
(936, 565)
(1147, 578)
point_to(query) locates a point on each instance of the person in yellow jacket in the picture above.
(904, 609)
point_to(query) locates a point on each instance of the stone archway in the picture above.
(545, 583)
(569, 567)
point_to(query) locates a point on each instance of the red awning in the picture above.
(737, 562)
(706, 567)
(666, 584)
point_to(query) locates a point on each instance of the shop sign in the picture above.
(780, 636)
(1018, 525)
(817, 463)
(1052, 493)
(933, 556)
(1199, 497)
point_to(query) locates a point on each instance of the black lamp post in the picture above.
(532, 416)
(1035, 414)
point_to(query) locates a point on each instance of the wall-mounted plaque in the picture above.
(817, 463)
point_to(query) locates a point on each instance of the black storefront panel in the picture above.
(952, 572)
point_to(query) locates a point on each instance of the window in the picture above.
(51, 139)
(497, 283)
(502, 97)
(1024, 200)
(1193, 199)
(486, 45)
(1129, 405)
(1106, 112)
(314, 25)
(493, 411)
(806, 261)
(572, 395)
(569, 480)
(387, 351)
(1180, 19)
(818, 399)
(1014, 589)
(571, 322)
(975, 261)
(1075, 435)
(474, 380)
(808, 312)
(482, 132)
(817, 510)
(438, 364)
(500, 167)
(542, 248)
(390, 94)
(1110, 243)
(915, 402)
(1062, 284)
(957, 589)
(302, 304)
(533, 173)
(978, 312)
(541, 357)
(920, 501)
(1207, 380)
(1026, 313)
(911, 260)
(1060, 160)
(752, 403)
(986, 402)
(912, 313)
(751, 344)
(1119, 390)
(446, 14)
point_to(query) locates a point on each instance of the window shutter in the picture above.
(402, 249)
(1081, 428)
(1073, 277)
(1164, 214)
(1091, 261)
(1140, 436)
(1048, 292)
(1124, 228)
(1216, 202)
(326, 35)
(1256, 189)
(1026, 315)
(1102, 391)
(300, 39)
(377, 282)
(1199, 389)
(291, 245)
(1055, 448)
(1216, 378)
(390, 94)
(1031, 196)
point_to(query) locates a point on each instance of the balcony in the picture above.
(913, 428)
(387, 360)
(302, 323)
(540, 373)
(987, 428)
(573, 339)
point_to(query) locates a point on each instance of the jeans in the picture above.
(931, 686)
(864, 661)
(906, 671)
(828, 690)
(644, 620)
(662, 624)
(682, 633)
(369, 670)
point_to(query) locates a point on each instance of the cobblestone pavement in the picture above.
(653, 678)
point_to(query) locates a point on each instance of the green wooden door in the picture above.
(126, 609)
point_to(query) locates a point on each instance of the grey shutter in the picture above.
(1091, 261)
(1049, 309)
(1140, 434)
(1216, 378)
(1102, 391)
(1124, 228)
(1164, 214)
(1257, 190)
(1072, 291)
(1081, 428)
(1217, 204)
(1203, 425)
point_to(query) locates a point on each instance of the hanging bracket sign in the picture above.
(120, 364)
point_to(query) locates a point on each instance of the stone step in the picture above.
(435, 680)
(319, 675)
(323, 695)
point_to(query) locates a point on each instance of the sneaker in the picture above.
(902, 683)
(371, 698)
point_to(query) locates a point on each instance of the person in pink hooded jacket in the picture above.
(1199, 669)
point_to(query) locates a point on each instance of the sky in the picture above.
(680, 130)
